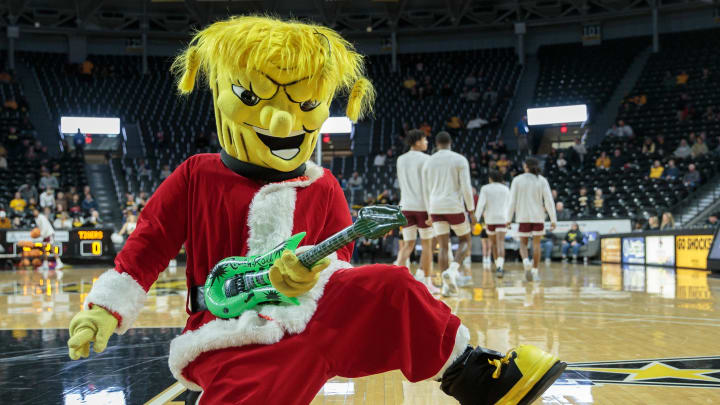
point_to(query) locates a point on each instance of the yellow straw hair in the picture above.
(245, 43)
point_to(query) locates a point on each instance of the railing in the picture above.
(709, 189)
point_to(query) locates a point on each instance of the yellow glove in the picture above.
(91, 325)
(291, 278)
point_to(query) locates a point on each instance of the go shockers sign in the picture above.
(691, 251)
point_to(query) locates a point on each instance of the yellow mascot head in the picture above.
(272, 83)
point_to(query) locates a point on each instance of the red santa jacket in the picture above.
(218, 213)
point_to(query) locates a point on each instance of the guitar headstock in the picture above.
(375, 221)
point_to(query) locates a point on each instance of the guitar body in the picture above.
(236, 284)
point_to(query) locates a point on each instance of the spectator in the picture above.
(562, 213)
(546, 244)
(93, 220)
(62, 221)
(522, 131)
(473, 95)
(165, 172)
(60, 200)
(47, 199)
(618, 160)
(692, 177)
(712, 221)
(653, 223)
(32, 204)
(129, 225)
(141, 200)
(75, 205)
(3, 161)
(476, 122)
(599, 201)
(410, 84)
(88, 203)
(342, 181)
(613, 131)
(656, 171)
(580, 149)
(625, 129)
(17, 204)
(561, 162)
(648, 147)
(28, 190)
(574, 240)
(379, 159)
(639, 226)
(671, 172)
(583, 200)
(79, 144)
(368, 249)
(668, 222)
(130, 201)
(5, 222)
(355, 182)
(425, 127)
(682, 78)
(683, 151)
(699, 148)
(503, 162)
(454, 123)
(603, 162)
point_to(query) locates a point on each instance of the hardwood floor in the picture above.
(633, 335)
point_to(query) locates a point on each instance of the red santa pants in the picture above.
(370, 320)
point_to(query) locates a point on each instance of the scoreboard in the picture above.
(80, 243)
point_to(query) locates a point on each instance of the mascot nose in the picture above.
(279, 122)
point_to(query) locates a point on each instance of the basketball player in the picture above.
(47, 233)
(530, 198)
(414, 206)
(446, 177)
(492, 205)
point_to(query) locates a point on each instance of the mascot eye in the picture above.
(309, 105)
(245, 95)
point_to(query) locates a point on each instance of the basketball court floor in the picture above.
(632, 335)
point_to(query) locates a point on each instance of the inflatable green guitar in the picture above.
(237, 284)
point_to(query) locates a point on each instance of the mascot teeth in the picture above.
(286, 154)
(266, 132)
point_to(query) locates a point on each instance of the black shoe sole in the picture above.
(545, 382)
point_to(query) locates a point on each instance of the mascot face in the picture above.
(269, 118)
(272, 83)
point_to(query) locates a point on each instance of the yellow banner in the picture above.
(691, 251)
(610, 250)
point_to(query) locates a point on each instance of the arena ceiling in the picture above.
(368, 18)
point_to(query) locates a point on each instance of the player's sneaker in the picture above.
(484, 377)
(420, 275)
(449, 281)
(431, 287)
(527, 264)
(464, 281)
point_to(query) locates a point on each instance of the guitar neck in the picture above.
(332, 244)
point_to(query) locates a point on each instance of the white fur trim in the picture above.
(120, 293)
(249, 328)
(272, 209)
(462, 338)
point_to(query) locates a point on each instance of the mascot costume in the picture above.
(272, 83)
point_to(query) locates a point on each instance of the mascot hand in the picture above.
(91, 325)
(291, 278)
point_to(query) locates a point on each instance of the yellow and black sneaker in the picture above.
(486, 377)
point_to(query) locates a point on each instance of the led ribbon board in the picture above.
(90, 125)
(557, 115)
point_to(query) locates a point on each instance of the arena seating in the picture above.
(577, 74)
(496, 69)
(638, 196)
